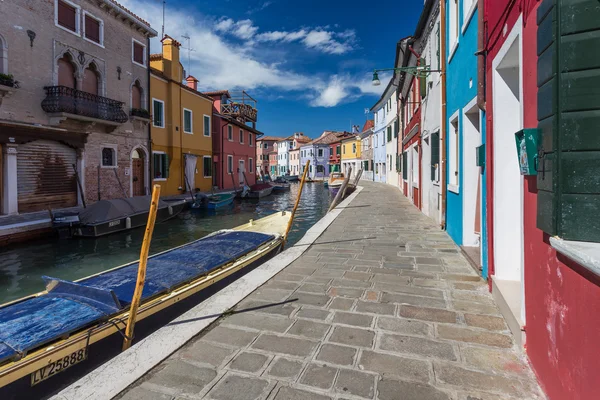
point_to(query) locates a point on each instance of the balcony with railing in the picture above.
(240, 106)
(67, 103)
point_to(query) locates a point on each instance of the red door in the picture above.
(137, 171)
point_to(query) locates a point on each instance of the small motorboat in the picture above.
(291, 178)
(280, 185)
(110, 216)
(215, 201)
(260, 190)
(50, 331)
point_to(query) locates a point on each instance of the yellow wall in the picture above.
(172, 140)
(347, 150)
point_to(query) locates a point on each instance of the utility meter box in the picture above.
(527, 150)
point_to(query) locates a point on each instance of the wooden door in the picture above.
(137, 173)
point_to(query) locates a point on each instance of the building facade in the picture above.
(386, 115)
(366, 153)
(264, 146)
(181, 126)
(351, 153)
(234, 141)
(74, 78)
(284, 147)
(318, 152)
(295, 168)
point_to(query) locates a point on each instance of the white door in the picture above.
(471, 178)
(242, 167)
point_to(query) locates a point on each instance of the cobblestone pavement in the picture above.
(382, 306)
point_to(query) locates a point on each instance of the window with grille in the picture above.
(109, 157)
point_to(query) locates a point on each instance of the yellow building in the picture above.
(181, 125)
(351, 148)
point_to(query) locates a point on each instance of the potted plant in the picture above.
(8, 80)
(140, 112)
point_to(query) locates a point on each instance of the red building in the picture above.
(410, 145)
(335, 151)
(234, 141)
(546, 280)
(264, 146)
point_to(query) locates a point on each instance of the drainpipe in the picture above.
(223, 157)
(444, 111)
(481, 56)
(149, 103)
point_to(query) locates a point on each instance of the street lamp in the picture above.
(420, 71)
(376, 81)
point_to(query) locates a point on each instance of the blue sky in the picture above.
(308, 63)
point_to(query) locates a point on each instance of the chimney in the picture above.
(170, 49)
(192, 82)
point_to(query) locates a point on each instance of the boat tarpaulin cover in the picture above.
(109, 210)
(69, 307)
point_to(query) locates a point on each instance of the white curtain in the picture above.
(190, 172)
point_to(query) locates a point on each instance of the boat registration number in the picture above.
(58, 366)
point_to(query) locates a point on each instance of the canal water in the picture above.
(22, 266)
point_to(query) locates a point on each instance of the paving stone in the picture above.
(391, 365)
(371, 295)
(313, 313)
(405, 326)
(334, 354)
(416, 345)
(318, 300)
(345, 292)
(229, 336)
(369, 257)
(285, 345)
(318, 279)
(266, 307)
(288, 393)
(202, 352)
(389, 389)
(346, 318)
(301, 269)
(476, 308)
(239, 388)
(140, 393)
(364, 263)
(458, 277)
(467, 285)
(359, 276)
(418, 291)
(386, 271)
(465, 379)
(320, 376)
(399, 266)
(474, 336)
(258, 321)
(283, 368)
(291, 286)
(339, 267)
(361, 268)
(286, 277)
(266, 294)
(183, 378)
(428, 260)
(494, 360)
(471, 296)
(400, 298)
(419, 274)
(431, 268)
(339, 303)
(375, 308)
(310, 329)
(486, 322)
(329, 273)
(430, 283)
(352, 336)
(313, 288)
(248, 362)
(349, 283)
(428, 314)
(389, 278)
(355, 383)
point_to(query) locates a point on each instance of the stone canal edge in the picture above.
(116, 375)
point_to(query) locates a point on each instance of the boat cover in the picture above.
(72, 306)
(109, 210)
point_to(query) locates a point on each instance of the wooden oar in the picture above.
(141, 276)
(291, 221)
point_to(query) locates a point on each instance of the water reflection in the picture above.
(21, 266)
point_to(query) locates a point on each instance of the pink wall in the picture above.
(561, 297)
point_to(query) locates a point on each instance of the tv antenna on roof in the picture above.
(189, 49)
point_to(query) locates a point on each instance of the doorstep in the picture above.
(507, 295)
(473, 256)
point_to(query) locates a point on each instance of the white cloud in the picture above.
(243, 29)
(219, 64)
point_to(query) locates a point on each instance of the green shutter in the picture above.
(396, 128)
(435, 153)
(404, 166)
(389, 133)
(568, 78)
(423, 80)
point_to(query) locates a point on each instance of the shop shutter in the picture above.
(568, 118)
(45, 176)
(435, 154)
(405, 166)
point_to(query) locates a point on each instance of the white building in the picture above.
(283, 151)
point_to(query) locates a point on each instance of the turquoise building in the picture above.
(465, 127)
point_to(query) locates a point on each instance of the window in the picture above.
(109, 157)
(136, 95)
(67, 16)
(230, 133)
(241, 136)
(354, 147)
(251, 165)
(330, 151)
(93, 29)
(320, 168)
(138, 55)
(320, 153)
(91, 80)
(435, 156)
(66, 72)
(207, 166)
(250, 139)
(161, 166)
(344, 150)
(389, 133)
(206, 125)
(468, 9)
(405, 166)
(454, 24)
(187, 121)
(415, 166)
(230, 164)
(158, 113)
(337, 150)
(396, 128)
(453, 148)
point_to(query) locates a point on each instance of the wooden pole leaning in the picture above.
(141, 276)
(291, 221)
(340, 193)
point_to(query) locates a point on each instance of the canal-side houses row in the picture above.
(498, 105)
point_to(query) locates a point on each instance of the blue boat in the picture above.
(220, 200)
(45, 333)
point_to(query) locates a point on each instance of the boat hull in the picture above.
(259, 194)
(224, 201)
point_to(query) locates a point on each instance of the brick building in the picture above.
(78, 110)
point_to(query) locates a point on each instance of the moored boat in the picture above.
(215, 201)
(291, 178)
(260, 190)
(280, 185)
(45, 333)
(109, 216)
